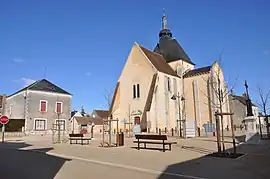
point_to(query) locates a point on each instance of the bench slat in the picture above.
(151, 137)
(153, 142)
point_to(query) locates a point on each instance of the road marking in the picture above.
(124, 166)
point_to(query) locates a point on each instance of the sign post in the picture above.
(3, 120)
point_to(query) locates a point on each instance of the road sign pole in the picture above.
(3, 133)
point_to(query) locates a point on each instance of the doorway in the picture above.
(137, 120)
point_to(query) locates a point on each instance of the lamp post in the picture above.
(179, 98)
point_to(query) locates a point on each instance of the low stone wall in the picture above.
(15, 134)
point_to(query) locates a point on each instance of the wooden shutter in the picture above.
(59, 107)
(43, 105)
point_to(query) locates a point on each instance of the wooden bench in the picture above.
(153, 139)
(78, 137)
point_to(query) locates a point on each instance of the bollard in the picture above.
(156, 130)
(214, 134)
(159, 131)
(165, 129)
(199, 132)
(172, 131)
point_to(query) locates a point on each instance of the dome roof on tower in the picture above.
(168, 47)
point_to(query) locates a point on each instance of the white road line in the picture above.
(124, 166)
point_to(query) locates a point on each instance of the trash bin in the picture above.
(120, 139)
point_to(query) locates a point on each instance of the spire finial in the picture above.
(164, 20)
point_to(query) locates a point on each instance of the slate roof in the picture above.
(171, 50)
(148, 103)
(197, 71)
(43, 85)
(159, 62)
(242, 99)
(88, 120)
(102, 113)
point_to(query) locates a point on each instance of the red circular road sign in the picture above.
(4, 119)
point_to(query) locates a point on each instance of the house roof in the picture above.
(102, 113)
(43, 85)
(88, 120)
(159, 62)
(242, 99)
(197, 71)
(171, 50)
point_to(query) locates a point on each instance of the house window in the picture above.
(43, 106)
(60, 123)
(59, 107)
(40, 124)
(136, 91)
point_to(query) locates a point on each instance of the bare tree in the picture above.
(218, 98)
(264, 105)
(108, 95)
(109, 104)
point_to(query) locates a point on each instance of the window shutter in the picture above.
(59, 107)
(43, 106)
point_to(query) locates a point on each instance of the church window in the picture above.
(169, 84)
(138, 90)
(134, 91)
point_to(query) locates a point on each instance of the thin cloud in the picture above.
(88, 74)
(25, 81)
(18, 60)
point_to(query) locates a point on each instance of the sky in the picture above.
(82, 45)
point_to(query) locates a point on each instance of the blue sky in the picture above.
(84, 44)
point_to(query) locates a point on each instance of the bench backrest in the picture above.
(75, 135)
(151, 137)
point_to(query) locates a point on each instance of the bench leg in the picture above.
(138, 144)
(145, 145)
(170, 147)
(163, 146)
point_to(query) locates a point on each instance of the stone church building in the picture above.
(161, 89)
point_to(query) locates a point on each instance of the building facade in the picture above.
(162, 89)
(39, 106)
(239, 108)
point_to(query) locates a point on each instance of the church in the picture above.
(161, 89)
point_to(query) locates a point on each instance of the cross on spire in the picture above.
(164, 20)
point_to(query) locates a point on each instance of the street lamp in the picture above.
(179, 98)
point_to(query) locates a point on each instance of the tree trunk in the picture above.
(218, 133)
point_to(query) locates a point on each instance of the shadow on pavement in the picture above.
(248, 166)
(16, 162)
